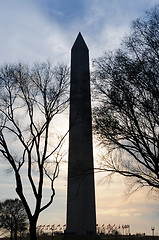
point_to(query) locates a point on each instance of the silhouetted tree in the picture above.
(30, 98)
(127, 120)
(13, 217)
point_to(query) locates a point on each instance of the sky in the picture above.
(36, 30)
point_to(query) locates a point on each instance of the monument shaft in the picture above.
(81, 215)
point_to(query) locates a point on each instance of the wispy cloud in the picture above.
(114, 207)
(26, 35)
(32, 31)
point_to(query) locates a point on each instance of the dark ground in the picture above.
(103, 237)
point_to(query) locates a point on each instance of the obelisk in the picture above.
(81, 214)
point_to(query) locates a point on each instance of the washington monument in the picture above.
(81, 213)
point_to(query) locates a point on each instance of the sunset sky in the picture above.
(36, 30)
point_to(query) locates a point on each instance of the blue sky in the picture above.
(36, 30)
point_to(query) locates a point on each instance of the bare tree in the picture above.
(13, 217)
(30, 98)
(127, 119)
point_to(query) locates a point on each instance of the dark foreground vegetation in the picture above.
(103, 237)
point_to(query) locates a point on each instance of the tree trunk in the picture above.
(11, 231)
(15, 235)
(15, 230)
(32, 229)
(11, 234)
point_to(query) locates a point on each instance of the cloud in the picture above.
(26, 35)
(114, 207)
(118, 212)
(31, 31)
(106, 22)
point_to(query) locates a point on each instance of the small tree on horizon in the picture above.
(13, 217)
(126, 122)
(30, 99)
